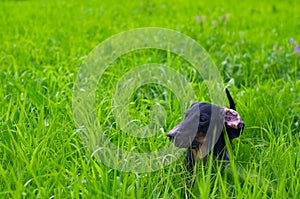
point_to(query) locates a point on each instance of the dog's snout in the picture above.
(172, 135)
(174, 132)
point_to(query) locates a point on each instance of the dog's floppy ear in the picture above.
(231, 102)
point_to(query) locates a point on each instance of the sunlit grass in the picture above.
(42, 44)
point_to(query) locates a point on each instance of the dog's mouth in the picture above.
(182, 136)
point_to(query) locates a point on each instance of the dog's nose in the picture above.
(174, 132)
(172, 135)
(241, 125)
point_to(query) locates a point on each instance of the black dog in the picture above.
(203, 130)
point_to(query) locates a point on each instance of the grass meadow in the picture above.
(42, 45)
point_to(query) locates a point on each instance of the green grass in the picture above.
(42, 45)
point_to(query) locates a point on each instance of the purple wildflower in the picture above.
(296, 48)
(197, 18)
(291, 40)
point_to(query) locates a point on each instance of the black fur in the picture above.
(183, 130)
(231, 102)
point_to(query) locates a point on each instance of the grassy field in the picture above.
(42, 45)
